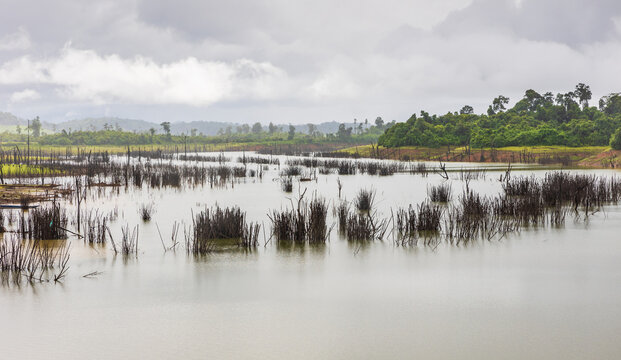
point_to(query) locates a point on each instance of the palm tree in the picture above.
(583, 93)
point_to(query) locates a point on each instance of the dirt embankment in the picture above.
(605, 159)
(592, 157)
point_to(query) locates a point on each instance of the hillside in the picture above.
(9, 119)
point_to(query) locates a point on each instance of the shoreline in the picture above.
(593, 157)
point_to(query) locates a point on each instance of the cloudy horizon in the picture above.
(297, 62)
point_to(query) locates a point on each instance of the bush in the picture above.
(615, 139)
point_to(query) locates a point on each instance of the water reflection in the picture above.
(341, 299)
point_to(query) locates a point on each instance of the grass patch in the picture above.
(9, 170)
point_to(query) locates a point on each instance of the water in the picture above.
(540, 294)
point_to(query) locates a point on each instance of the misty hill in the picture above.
(100, 123)
(10, 119)
(137, 125)
(204, 127)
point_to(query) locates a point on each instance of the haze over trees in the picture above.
(565, 119)
(364, 133)
(536, 119)
(36, 127)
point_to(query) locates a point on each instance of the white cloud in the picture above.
(617, 22)
(308, 61)
(87, 76)
(19, 40)
(334, 84)
(24, 95)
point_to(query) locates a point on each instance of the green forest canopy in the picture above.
(565, 119)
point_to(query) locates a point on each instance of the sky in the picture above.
(297, 61)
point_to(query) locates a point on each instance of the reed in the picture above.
(211, 225)
(287, 225)
(129, 240)
(419, 169)
(146, 211)
(95, 226)
(406, 223)
(440, 193)
(291, 171)
(258, 160)
(472, 174)
(365, 199)
(342, 211)
(32, 261)
(350, 167)
(305, 224)
(251, 236)
(359, 227)
(287, 184)
(428, 217)
(220, 158)
(560, 188)
(317, 226)
(44, 223)
(346, 168)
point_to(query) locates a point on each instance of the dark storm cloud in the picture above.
(571, 22)
(228, 21)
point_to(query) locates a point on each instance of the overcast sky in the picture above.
(297, 61)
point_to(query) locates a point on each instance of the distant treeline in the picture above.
(362, 133)
(548, 119)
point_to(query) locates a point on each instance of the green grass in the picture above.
(114, 148)
(554, 149)
(361, 149)
(22, 169)
(119, 149)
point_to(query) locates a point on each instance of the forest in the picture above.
(565, 119)
(361, 133)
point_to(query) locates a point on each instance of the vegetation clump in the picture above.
(44, 223)
(211, 225)
(615, 139)
(306, 223)
(286, 184)
(564, 119)
(440, 193)
(32, 261)
(365, 199)
(146, 211)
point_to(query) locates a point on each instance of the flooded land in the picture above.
(247, 255)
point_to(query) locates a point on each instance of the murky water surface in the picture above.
(540, 294)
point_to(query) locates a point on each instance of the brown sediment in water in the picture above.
(29, 193)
